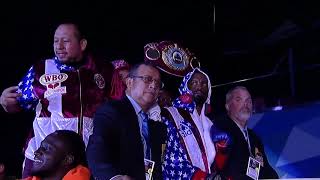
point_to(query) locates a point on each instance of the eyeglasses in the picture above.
(149, 80)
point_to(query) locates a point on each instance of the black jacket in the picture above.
(239, 154)
(115, 147)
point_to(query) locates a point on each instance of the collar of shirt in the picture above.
(243, 130)
(61, 66)
(65, 67)
(246, 136)
(137, 109)
(135, 105)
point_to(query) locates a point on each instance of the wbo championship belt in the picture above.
(170, 57)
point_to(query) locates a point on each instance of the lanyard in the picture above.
(246, 134)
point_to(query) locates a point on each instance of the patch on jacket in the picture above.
(98, 78)
(53, 83)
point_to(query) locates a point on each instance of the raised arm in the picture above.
(9, 100)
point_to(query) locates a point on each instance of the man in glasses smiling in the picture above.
(124, 139)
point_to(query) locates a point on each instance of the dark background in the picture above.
(241, 40)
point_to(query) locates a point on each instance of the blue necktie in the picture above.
(145, 134)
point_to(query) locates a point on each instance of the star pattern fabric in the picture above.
(176, 164)
(185, 91)
(178, 103)
(63, 67)
(28, 99)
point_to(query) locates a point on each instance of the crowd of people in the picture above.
(112, 120)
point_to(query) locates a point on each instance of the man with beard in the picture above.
(61, 155)
(245, 142)
(191, 148)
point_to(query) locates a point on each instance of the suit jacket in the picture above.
(115, 147)
(236, 166)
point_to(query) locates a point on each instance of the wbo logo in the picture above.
(53, 83)
(53, 78)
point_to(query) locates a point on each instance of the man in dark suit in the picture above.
(120, 143)
(239, 109)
